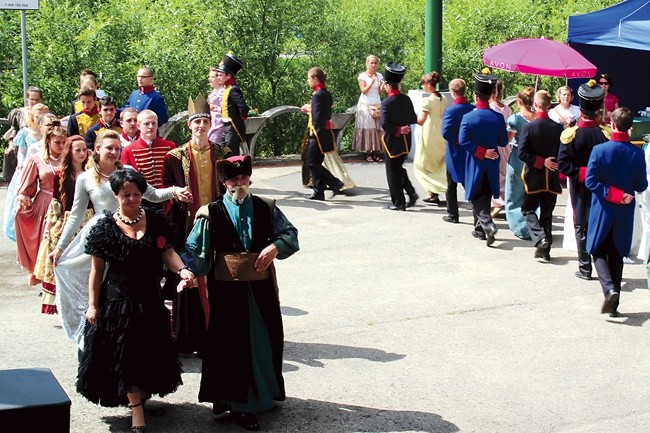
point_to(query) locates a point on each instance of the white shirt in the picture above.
(372, 95)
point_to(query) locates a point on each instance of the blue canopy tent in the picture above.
(617, 41)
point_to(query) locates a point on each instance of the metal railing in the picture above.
(255, 125)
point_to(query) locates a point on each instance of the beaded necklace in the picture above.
(129, 222)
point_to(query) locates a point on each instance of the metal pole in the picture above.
(428, 37)
(23, 33)
(433, 36)
(437, 36)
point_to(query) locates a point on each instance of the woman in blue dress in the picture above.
(515, 191)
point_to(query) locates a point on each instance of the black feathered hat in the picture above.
(484, 83)
(591, 96)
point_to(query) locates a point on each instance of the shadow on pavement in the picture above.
(298, 415)
(310, 353)
(165, 417)
(630, 284)
(291, 311)
(191, 363)
(631, 319)
(292, 415)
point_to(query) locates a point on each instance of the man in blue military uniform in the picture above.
(576, 145)
(454, 156)
(616, 169)
(538, 146)
(146, 97)
(396, 117)
(481, 132)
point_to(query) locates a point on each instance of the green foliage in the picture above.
(278, 40)
(469, 28)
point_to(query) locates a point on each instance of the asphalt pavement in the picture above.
(400, 322)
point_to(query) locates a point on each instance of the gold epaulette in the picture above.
(607, 131)
(568, 135)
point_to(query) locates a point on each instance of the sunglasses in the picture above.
(603, 82)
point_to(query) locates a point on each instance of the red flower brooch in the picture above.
(161, 242)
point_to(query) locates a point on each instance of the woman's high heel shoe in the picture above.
(137, 428)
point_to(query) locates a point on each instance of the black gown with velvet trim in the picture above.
(130, 343)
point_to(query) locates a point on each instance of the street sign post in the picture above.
(19, 4)
(22, 5)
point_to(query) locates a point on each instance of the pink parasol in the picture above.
(539, 57)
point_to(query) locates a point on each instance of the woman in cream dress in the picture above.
(429, 161)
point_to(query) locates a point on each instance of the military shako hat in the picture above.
(234, 166)
(591, 96)
(106, 100)
(484, 83)
(198, 107)
(394, 72)
(230, 64)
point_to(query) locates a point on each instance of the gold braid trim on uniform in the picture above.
(547, 189)
(312, 130)
(390, 155)
(224, 104)
(568, 135)
(241, 139)
(181, 153)
(225, 116)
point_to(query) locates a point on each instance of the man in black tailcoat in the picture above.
(573, 156)
(234, 109)
(538, 147)
(397, 116)
(321, 136)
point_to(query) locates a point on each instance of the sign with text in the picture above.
(19, 4)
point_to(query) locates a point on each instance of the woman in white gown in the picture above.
(72, 268)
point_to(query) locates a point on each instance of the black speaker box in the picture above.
(31, 400)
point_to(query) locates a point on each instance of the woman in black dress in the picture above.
(129, 354)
